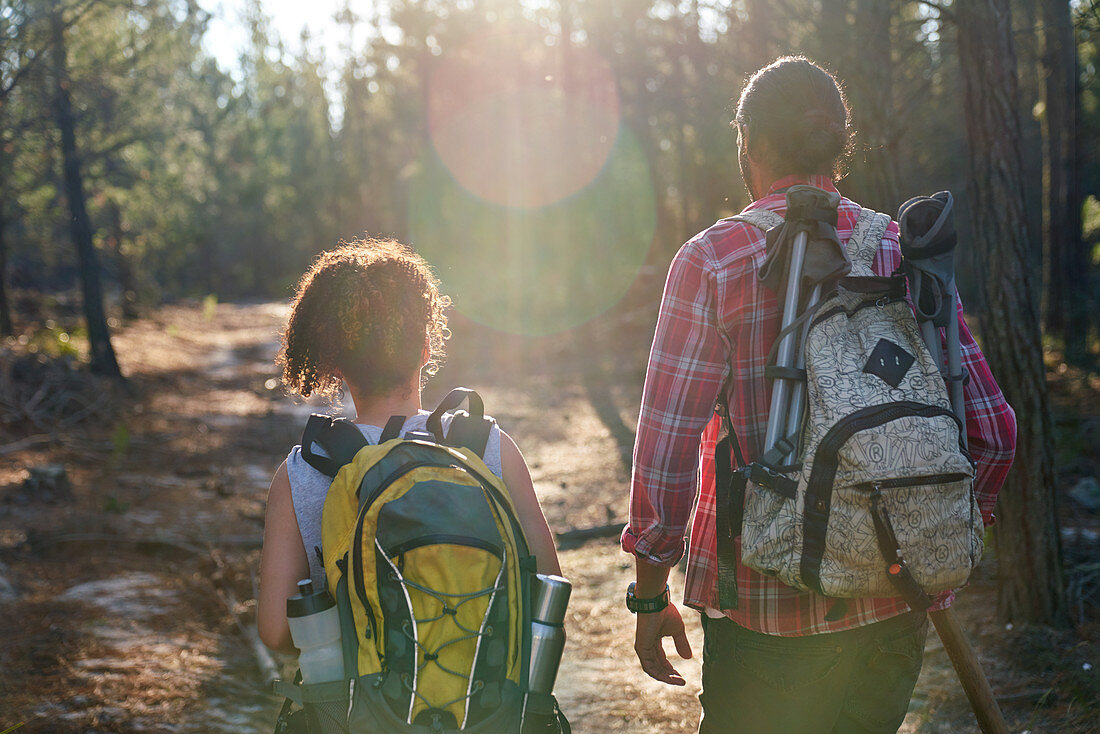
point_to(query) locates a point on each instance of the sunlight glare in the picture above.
(519, 123)
(537, 271)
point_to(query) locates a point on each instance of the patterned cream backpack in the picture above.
(879, 502)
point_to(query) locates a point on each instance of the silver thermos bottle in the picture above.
(315, 629)
(550, 597)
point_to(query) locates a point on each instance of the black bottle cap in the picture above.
(308, 601)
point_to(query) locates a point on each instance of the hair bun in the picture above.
(819, 118)
(796, 112)
(824, 139)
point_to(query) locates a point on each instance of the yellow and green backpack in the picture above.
(430, 570)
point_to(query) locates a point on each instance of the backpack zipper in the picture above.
(342, 564)
(444, 539)
(880, 302)
(870, 417)
(898, 482)
(357, 539)
(393, 477)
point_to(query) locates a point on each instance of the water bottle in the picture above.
(550, 597)
(315, 630)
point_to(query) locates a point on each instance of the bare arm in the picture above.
(283, 562)
(517, 477)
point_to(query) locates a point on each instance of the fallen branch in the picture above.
(580, 536)
(30, 442)
(1032, 695)
(69, 420)
(189, 546)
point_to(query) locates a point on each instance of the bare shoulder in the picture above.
(280, 483)
(508, 448)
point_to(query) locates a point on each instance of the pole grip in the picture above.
(969, 670)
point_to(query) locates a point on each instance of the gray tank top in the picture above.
(308, 487)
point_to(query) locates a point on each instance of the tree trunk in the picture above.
(836, 38)
(6, 328)
(876, 111)
(99, 337)
(1028, 545)
(1066, 262)
(760, 37)
(1029, 83)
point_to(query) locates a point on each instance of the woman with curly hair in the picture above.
(368, 315)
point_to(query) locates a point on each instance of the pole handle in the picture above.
(969, 670)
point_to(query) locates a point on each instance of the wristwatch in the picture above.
(645, 606)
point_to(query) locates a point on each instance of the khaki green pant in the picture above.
(857, 681)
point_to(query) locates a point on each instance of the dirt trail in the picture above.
(122, 620)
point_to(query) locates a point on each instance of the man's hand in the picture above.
(652, 629)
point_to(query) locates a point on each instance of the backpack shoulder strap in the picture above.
(760, 218)
(866, 238)
(339, 438)
(392, 429)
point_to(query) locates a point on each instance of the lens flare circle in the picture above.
(521, 123)
(544, 270)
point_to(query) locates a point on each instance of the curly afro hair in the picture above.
(364, 311)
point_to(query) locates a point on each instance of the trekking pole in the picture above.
(928, 246)
(798, 392)
(931, 337)
(930, 263)
(969, 669)
(785, 355)
(955, 376)
(810, 211)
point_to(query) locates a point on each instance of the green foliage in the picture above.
(120, 440)
(56, 341)
(1090, 222)
(201, 179)
(114, 505)
(209, 307)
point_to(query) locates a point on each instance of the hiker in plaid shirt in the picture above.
(776, 663)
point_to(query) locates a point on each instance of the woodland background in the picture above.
(549, 156)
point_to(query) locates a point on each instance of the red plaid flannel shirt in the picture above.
(716, 317)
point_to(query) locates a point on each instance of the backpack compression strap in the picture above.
(339, 438)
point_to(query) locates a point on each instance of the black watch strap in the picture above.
(645, 606)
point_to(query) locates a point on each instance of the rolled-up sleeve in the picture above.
(687, 366)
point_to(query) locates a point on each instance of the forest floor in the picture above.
(126, 597)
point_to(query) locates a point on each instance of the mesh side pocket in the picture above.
(326, 707)
(328, 717)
